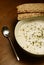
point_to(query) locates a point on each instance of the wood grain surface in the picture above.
(8, 14)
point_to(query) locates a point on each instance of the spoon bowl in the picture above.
(5, 31)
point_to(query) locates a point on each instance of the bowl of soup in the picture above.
(29, 34)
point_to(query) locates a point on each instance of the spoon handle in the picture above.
(14, 49)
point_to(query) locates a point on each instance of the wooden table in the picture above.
(8, 16)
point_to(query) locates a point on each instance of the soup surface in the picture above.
(31, 37)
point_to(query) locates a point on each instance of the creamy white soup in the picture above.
(31, 37)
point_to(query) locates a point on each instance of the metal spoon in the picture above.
(6, 33)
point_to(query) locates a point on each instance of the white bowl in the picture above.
(20, 23)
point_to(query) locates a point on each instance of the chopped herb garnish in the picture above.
(22, 29)
(27, 46)
(33, 42)
(40, 43)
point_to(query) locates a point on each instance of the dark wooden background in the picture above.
(8, 17)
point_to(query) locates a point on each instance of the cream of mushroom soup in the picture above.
(31, 37)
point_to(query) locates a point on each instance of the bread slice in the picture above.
(30, 7)
(28, 15)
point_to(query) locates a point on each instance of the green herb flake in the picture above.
(33, 42)
(22, 29)
(27, 46)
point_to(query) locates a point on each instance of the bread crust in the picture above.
(30, 7)
(28, 15)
